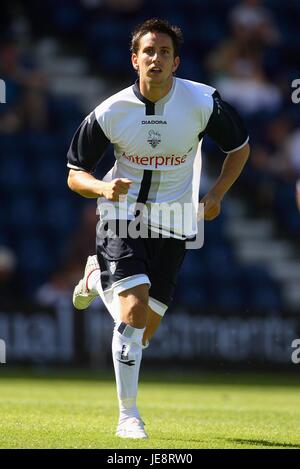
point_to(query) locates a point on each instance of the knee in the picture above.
(135, 313)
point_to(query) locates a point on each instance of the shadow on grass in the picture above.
(186, 440)
(253, 442)
(272, 444)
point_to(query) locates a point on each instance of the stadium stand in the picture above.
(58, 70)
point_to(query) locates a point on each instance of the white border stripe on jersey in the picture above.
(238, 148)
(72, 166)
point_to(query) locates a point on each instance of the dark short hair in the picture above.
(158, 26)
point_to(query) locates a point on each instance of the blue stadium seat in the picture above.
(219, 260)
(15, 174)
(11, 145)
(50, 175)
(192, 297)
(35, 254)
(24, 214)
(59, 215)
(66, 112)
(213, 231)
(192, 271)
(226, 296)
(254, 277)
(67, 16)
(266, 299)
(36, 261)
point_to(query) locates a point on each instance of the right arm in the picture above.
(86, 150)
(87, 185)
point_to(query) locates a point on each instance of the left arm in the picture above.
(227, 129)
(231, 169)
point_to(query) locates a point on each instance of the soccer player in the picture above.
(156, 127)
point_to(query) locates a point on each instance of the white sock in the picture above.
(92, 281)
(127, 356)
(109, 298)
(146, 345)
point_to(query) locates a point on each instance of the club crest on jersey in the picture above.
(112, 267)
(154, 138)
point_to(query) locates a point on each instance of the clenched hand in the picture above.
(116, 188)
(212, 206)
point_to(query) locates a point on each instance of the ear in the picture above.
(176, 64)
(134, 61)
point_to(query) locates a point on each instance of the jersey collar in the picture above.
(152, 108)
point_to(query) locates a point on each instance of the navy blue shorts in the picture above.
(158, 258)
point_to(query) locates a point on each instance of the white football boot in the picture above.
(131, 428)
(82, 297)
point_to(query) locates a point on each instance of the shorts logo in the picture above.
(154, 138)
(112, 267)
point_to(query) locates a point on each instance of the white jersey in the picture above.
(158, 147)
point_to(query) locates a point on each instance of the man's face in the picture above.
(155, 59)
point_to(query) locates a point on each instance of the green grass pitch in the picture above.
(199, 410)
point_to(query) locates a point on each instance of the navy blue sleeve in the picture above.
(88, 145)
(225, 126)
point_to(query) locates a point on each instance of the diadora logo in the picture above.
(154, 138)
(153, 122)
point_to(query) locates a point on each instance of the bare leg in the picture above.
(134, 306)
(153, 321)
